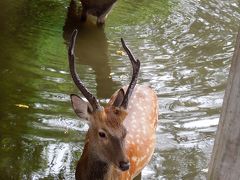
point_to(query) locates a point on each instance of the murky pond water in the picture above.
(185, 48)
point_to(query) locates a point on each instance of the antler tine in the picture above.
(136, 66)
(71, 57)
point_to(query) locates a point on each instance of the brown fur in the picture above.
(98, 8)
(130, 137)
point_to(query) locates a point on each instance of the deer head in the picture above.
(106, 134)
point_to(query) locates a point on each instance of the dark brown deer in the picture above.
(121, 136)
(98, 8)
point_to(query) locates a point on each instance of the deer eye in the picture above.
(102, 134)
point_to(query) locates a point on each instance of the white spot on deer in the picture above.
(142, 158)
(137, 162)
(134, 158)
(138, 148)
(144, 132)
(144, 129)
(133, 116)
(130, 136)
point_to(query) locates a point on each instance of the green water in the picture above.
(185, 48)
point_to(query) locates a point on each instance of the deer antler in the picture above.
(71, 57)
(136, 66)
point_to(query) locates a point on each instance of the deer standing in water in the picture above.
(98, 8)
(121, 136)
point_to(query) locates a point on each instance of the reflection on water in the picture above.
(91, 52)
(185, 48)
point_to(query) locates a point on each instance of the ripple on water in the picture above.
(54, 96)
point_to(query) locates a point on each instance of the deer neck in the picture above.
(91, 167)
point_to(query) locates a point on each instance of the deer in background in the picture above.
(98, 8)
(121, 136)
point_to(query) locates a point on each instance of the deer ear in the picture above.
(119, 99)
(82, 108)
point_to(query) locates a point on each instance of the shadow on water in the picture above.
(91, 51)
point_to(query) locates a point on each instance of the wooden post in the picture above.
(225, 159)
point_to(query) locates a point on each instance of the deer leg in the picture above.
(72, 9)
(83, 16)
(101, 19)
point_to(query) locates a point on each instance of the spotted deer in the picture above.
(98, 8)
(121, 136)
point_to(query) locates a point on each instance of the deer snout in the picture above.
(124, 165)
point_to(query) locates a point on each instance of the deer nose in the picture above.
(124, 165)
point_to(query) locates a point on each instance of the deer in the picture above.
(98, 8)
(121, 137)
